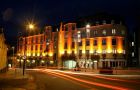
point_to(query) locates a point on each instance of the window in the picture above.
(104, 51)
(31, 47)
(32, 39)
(87, 43)
(95, 32)
(113, 41)
(83, 34)
(80, 52)
(95, 42)
(104, 42)
(113, 31)
(40, 47)
(123, 51)
(72, 52)
(104, 32)
(36, 47)
(65, 47)
(133, 54)
(114, 51)
(132, 43)
(87, 52)
(65, 52)
(36, 39)
(73, 44)
(80, 43)
(66, 35)
(123, 32)
(88, 33)
(41, 39)
(73, 27)
(66, 28)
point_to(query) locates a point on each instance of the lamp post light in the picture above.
(30, 26)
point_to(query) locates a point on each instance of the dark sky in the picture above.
(15, 13)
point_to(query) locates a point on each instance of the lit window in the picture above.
(95, 32)
(87, 26)
(133, 54)
(79, 35)
(104, 32)
(88, 30)
(114, 50)
(113, 31)
(123, 51)
(79, 32)
(132, 43)
(104, 51)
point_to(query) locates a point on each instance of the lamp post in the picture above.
(30, 26)
(13, 55)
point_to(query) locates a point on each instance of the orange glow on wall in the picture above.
(69, 41)
(61, 41)
(38, 54)
(119, 45)
(109, 44)
(50, 54)
(33, 54)
(91, 45)
(83, 46)
(44, 54)
(99, 45)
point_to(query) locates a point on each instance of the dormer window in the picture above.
(104, 32)
(113, 31)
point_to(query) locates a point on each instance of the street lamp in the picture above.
(30, 26)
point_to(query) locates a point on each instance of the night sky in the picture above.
(14, 14)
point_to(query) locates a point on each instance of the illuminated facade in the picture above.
(3, 53)
(108, 41)
(70, 46)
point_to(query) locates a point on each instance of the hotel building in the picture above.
(70, 46)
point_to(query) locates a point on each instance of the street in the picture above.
(47, 79)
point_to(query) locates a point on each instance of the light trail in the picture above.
(98, 76)
(87, 82)
(72, 81)
(92, 75)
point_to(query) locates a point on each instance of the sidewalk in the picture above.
(14, 80)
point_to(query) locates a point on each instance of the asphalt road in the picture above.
(46, 79)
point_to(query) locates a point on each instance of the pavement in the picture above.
(14, 80)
